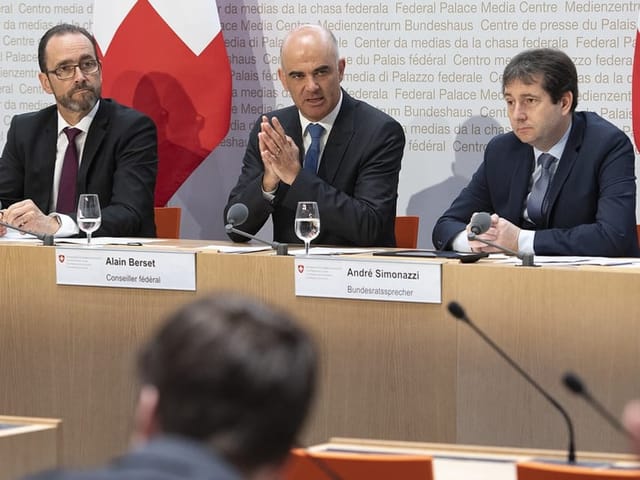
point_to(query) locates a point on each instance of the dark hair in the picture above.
(557, 70)
(61, 29)
(233, 373)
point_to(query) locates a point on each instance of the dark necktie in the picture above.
(67, 188)
(536, 203)
(313, 154)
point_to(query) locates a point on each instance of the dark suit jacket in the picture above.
(356, 186)
(166, 458)
(592, 197)
(119, 163)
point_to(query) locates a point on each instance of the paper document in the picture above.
(106, 241)
(237, 248)
(330, 251)
(568, 260)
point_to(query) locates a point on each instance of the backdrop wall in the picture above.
(434, 66)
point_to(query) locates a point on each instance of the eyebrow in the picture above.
(68, 61)
(522, 95)
(321, 68)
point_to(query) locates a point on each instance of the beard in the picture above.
(82, 103)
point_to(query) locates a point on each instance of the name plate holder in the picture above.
(126, 268)
(368, 279)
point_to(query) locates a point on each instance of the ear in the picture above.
(566, 101)
(145, 419)
(281, 76)
(341, 65)
(44, 81)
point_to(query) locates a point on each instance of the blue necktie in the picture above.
(313, 154)
(536, 206)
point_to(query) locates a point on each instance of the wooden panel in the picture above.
(68, 352)
(388, 369)
(33, 445)
(77, 344)
(550, 320)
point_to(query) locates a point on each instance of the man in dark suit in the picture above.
(586, 205)
(355, 179)
(226, 385)
(116, 147)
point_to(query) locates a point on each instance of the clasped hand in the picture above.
(501, 232)
(279, 153)
(28, 216)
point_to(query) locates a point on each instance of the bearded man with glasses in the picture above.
(82, 144)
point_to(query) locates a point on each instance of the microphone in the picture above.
(576, 385)
(237, 215)
(457, 311)
(480, 223)
(45, 238)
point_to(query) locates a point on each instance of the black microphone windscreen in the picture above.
(573, 383)
(480, 222)
(456, 310)
(237, 214)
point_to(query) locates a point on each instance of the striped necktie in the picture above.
(536, 204)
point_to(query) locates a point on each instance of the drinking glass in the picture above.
(89, 217)
(307, 223)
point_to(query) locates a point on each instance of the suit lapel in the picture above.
(338, 141)
(290, 120)
(520, 180)
(48, 154)
(568, 160)
(95, 136)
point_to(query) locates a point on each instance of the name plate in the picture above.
(125, 268)
(368, 279)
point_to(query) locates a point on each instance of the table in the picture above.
(396, 371)
(28, 445)
(476, 462)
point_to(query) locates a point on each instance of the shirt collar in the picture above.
(83, 124)
(558, 148)
(327, 122)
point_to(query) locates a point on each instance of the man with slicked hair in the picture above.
(562, 182)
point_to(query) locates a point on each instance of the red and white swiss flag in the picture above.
(635, 89)
(167, 58)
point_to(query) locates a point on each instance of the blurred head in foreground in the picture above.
(232, 374)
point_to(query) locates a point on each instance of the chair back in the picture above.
(306, 465)
(167, 221)
(552, 471)
(407, 231)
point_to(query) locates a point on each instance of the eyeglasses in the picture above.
(65, 72)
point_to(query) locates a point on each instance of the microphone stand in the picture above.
(527, 258)
(280, 248)
(458, 312)
(46, 238)
(577, 386)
